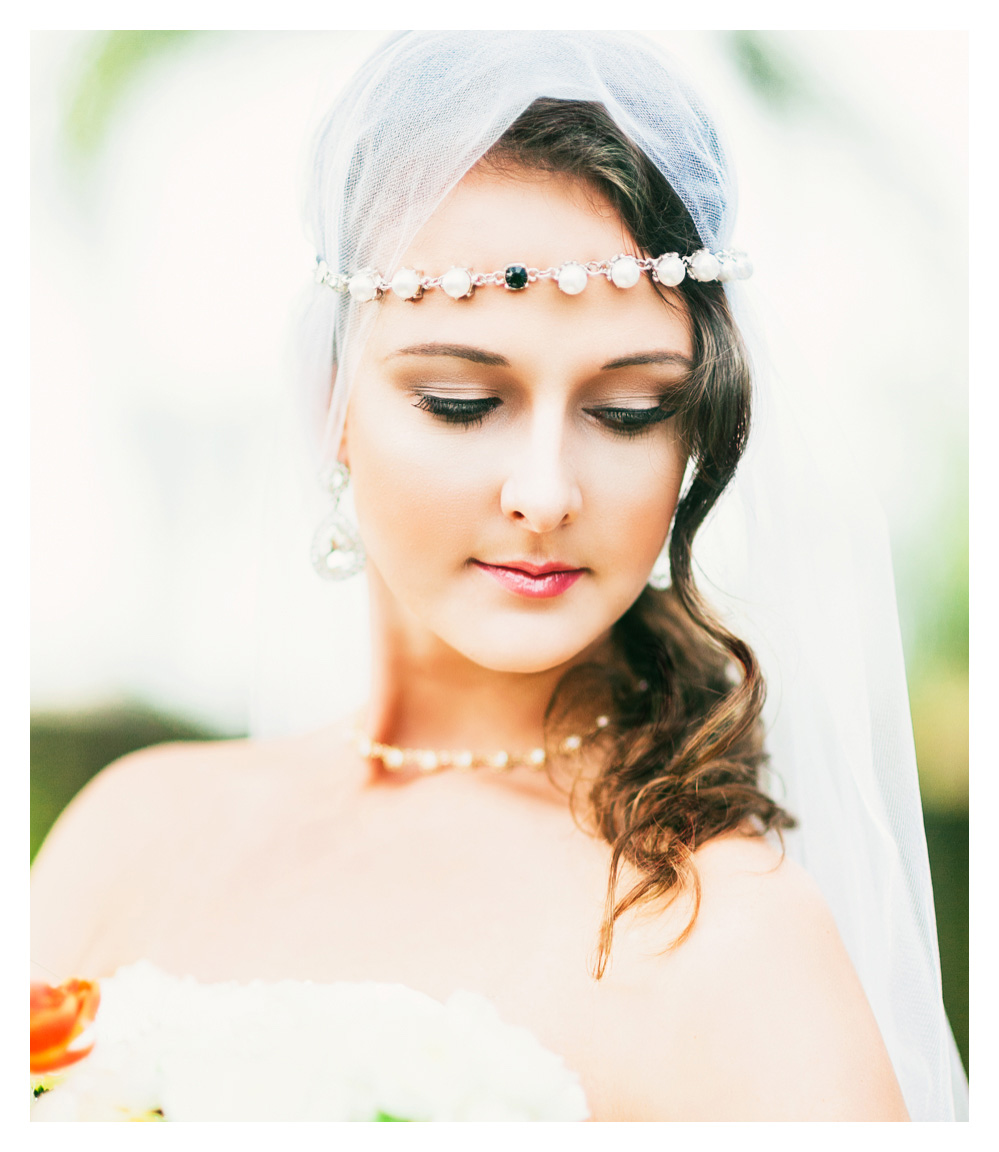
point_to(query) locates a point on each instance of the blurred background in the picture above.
(167, 172)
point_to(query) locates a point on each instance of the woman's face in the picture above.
(515, 469)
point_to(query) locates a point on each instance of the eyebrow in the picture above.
(495, 360)
(641, 358)
(461, 351)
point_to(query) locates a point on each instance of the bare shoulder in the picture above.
(761, 999)
(136, 795)
(125, 836)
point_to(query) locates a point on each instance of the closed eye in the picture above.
(464, 412)
(631, 421)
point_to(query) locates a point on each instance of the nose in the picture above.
(541, 490)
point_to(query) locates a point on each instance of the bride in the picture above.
(566, 792)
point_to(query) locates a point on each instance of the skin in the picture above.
(302, 860)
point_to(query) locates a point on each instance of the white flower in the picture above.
(301, 1051)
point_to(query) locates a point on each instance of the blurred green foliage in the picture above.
(947, 842)
(68, 748)
(933, 578)
(769, 72)
(111, 63)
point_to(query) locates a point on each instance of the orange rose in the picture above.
(59, 1017)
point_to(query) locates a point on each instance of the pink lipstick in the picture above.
(538, 581)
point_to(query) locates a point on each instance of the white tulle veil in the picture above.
(795, 557)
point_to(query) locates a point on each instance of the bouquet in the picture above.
(146, 1045)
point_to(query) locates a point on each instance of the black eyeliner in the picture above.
(632, 421)
(453, 411)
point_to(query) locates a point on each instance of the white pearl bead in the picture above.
(394, 758)
(536, 756)
(669, 270)
(572, 278)
(457, 283)
(625, 272)
(704, 265)
(428, 761)
(363, 287)
(406, 284)
(727, 270)
(500, 759)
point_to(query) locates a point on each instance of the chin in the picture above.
(524, 651)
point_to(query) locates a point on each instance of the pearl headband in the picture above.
(623, 271)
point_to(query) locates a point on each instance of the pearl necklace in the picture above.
(398, 759)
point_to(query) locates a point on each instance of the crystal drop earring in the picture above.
(337, 551)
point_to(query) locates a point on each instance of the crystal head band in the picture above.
(624, 271)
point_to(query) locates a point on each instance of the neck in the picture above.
(425, 694)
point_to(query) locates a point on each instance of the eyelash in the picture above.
(467, 413)
(632, 421)
(471, 413)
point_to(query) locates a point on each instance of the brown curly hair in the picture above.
(680, 762)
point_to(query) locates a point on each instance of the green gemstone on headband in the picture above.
(515, 277)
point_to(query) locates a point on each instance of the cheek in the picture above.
(632, 506)
(417, 494)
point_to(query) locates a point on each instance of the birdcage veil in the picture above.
(795, 558)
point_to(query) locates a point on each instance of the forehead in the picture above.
(551, 217)
(540, 220)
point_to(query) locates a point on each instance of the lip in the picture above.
(535, 581)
